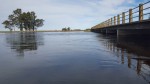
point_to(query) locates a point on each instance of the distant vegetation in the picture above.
(23, 20)
(66, 29)
(69, 29)
(87, 30)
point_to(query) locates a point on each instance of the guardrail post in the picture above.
(103, 24)
(111, 21)
(98, 26)
(107, 23)
(123, 17)
(140, 12)
(130, 16)
(118, 19)
(114, 20)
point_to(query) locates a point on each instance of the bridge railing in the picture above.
(139, 13)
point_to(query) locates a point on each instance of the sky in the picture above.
(77, 14)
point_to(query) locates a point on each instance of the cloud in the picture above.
(63, 13)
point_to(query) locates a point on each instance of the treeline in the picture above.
(23, 20)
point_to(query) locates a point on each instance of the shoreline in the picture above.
(42, 31)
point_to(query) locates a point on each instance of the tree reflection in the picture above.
(24, 41)
(133, 51)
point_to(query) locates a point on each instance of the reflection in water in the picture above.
(134, 51)
(24, 41)
(73, 58)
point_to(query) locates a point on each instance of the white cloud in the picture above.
(63, 13)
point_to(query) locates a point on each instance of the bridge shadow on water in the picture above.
(133, 51)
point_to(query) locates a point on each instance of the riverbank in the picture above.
(43, 31)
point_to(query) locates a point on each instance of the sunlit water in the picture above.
(73, 58)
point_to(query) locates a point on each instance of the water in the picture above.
(73, 58)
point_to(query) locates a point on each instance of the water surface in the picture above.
(73, 58)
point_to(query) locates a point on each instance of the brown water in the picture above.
(73, 58)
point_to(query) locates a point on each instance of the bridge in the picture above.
(135, 21)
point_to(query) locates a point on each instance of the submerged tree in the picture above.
(23, 20)
(8, 25)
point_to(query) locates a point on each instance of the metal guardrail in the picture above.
(137, 13)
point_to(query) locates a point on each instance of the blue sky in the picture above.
(77, 14)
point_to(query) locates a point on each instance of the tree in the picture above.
(38, 23)
(68, 28)
(64, 29)
(7, 25)
(23, 20)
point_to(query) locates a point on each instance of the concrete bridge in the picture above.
(134, 21)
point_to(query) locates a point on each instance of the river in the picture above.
(73, 58)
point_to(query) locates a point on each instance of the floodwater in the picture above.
(73, 58)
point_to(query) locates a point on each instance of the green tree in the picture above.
(17, 19)
(38, 23)
(64, 29)
(23, 20)
(68, 29)
(7, 25)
